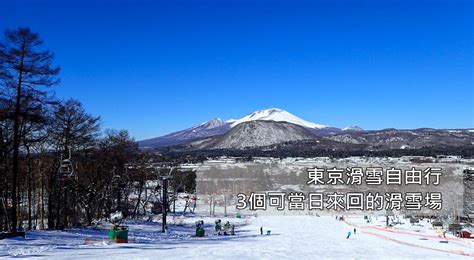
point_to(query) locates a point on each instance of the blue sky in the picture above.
(155, 67)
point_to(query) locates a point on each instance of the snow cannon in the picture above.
(116, 218)
(119, 232)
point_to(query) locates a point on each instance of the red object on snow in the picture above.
(466, 234)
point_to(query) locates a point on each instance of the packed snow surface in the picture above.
(292, 237)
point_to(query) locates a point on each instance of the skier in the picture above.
(232, 231)
(218, 227)
(261, 230)
(349, 235)
(355, 231)
(226, 228)
(200, 232)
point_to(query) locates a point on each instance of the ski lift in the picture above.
(66, 169)
(116, 179)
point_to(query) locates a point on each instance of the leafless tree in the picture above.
(24, 68)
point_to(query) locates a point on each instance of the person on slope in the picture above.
(218, 227)
(200, 232)
(226, 228)
(349, 235)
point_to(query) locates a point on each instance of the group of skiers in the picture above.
(226, 230)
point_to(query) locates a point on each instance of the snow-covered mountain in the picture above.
(216, 127)
(280, 129)
(402, 139)
(253, 134)
(210, 128)
(277, 115)
(353, 128)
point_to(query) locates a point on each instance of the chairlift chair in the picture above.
(66, 169)
(116, 180)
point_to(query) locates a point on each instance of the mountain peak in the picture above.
(215, 122)
(257, 133)
(277, 115)
(218, 126)
(353, 128)
(267, 111)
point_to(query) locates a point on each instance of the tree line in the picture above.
(58, 168)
